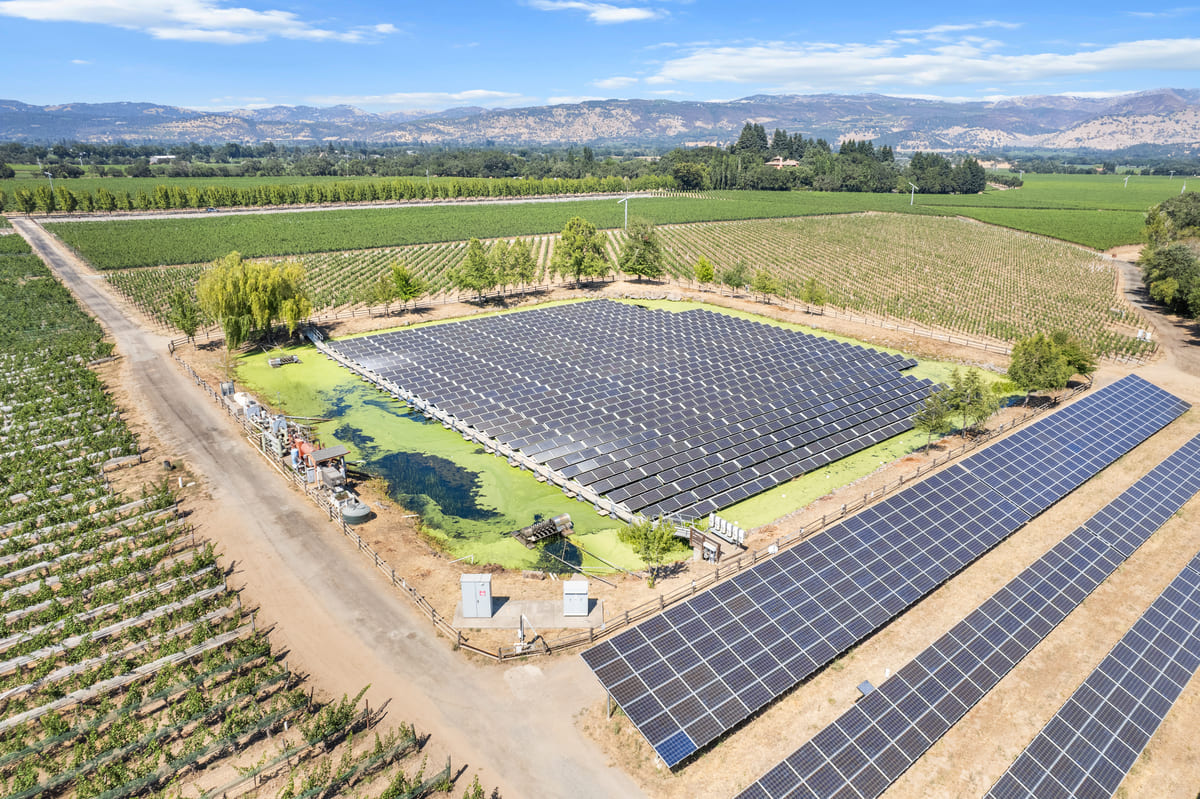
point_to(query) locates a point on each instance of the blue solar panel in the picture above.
(1093, 740)
(910, 708)
(847, 581)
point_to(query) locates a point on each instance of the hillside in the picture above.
(1159, 117)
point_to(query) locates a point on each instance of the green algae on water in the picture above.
(469, 501)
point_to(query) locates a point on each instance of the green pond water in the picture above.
(469, 501)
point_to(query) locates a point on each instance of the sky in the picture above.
(398, 56)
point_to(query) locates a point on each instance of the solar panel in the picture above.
(934, 690)
(662, 412)
(807, 612)
(1093, 740)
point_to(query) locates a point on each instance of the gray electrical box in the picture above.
(575, 597)
(476, 596)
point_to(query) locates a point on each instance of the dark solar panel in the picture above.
(953, 513)
(928, 695)
(1093, 740)
(662, 412)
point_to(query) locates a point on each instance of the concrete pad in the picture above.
(541, 614)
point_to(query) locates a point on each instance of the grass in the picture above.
(486, 498)
(318, 387)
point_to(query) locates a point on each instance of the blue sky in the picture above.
(213, 54)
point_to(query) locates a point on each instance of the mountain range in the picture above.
(1165, 118)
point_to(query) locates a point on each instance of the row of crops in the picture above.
(133, 243)
(126, 662)
(169, 196)
(936, 271)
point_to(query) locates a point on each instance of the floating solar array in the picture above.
(689, 674)
(870, 745)
(1091, 743)
(662, 412)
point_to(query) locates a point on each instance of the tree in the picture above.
(521, 262)
(579, 251)
(970, 399)
(475, 273)
(500, 263)
(407, 285)
(651, 540)
(969, 177)
(703, 271)
(813, 294)
(25, 201)
(183, 313)
(246, 296)
(1081, 359)
(933, 417)
(1046, 363)
(1171, 274)
(734, 276)
(383, 292)
(1037, 364)
(6, 171)
(689, 176)
(641, 252)
(764, 284)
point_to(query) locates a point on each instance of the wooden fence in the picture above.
(571, 640)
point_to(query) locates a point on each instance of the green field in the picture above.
(1094, 211)
(152, 242)
(1005, 285)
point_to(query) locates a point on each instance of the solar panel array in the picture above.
(1094, 739)
(663, 412)
(871, 744)
(686, 676)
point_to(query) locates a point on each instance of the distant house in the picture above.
(779, 163)
(162, 159)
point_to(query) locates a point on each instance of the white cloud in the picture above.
(1166, 14)
(211, 21)
(571, 99)
(614, 83)
(79, 61)
(939, 30)
(804, 67)
(600, 13)
(425, 100)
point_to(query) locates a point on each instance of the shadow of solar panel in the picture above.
(912, 710)
(1103, 732)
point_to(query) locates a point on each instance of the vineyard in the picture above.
(1001, 284)
(126, 662)
(935, 271)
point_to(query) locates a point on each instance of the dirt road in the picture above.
(338, 619)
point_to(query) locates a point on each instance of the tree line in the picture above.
(855, 166)
(40, 199)
(1170, 264)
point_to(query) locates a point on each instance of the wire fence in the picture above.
(572, 640)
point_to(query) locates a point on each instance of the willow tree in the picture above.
(247, 296)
